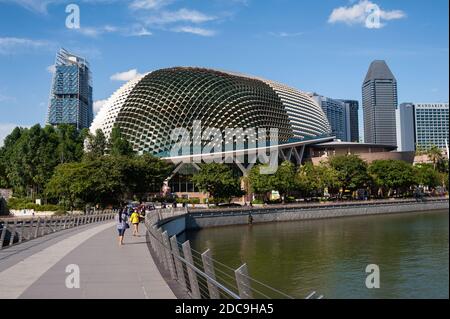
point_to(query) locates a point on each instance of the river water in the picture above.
(330, 256)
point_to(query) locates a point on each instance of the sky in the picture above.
(322, 46)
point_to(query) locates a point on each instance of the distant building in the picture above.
(353, 108)
(321, 152)
(404, 116)
(379, 97)
(422, 125)
(71, 92)
(431, 124)
(338, 115)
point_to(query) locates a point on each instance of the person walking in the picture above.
(122, 225)
(135, 219)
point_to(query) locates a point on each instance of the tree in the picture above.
(425, 175)
(260, 183)
(118, 145)
(107, 180)
(218, 180)
(29, 156)
(351, 171)
(391, 174)
(284, 179)
(95, 145)
(313, 179)
(435, 155)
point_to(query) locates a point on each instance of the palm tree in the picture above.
(435, 155)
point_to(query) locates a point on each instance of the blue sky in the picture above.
(324, 46)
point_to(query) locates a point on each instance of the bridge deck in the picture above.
(37, 269)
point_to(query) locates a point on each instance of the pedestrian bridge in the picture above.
(78, 257)
(47, 266)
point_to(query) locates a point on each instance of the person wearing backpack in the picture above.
(135, 218)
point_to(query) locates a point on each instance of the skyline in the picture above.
(321, 47)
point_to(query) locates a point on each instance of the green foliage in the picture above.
(312, 180)
(351, 172)
(29, 156)
(95, 145)
(119, 146)
(107, 180)
(257, 202)
(392, 174)
(426, 175)
(435, 155)
(283, 180)
(26, 203)
(218, 180)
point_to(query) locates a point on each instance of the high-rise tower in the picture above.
(71, 92)
(379, 97)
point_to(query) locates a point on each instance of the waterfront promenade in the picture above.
(37, 268)
(41, 267)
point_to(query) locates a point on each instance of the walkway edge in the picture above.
(18, 278)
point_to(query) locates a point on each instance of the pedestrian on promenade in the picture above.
(135, 219)
(122, 225)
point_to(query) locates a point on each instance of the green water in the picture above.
(330, 256)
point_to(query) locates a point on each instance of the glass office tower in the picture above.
(379, 92)
(71, 92)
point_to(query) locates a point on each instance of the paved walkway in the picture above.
(37, 269)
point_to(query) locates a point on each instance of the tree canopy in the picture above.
(218, 180)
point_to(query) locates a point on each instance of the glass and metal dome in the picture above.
(148, 108)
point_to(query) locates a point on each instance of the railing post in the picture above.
(168, 254)
(30, 229)
(38, 225)
(65, 222)
(243, 282)
(209, 270)
(60, 223)
(44, 225)
(2, 236)
(22, 226)
(12, 233)
(195, 290)
(178, 264)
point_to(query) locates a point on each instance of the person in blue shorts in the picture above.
(122, 225)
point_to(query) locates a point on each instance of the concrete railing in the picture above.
(14, 231)
(199, 275)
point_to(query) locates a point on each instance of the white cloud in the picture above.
(149, 4)
(96, 31)
(182, 15)
(365, 13)
(39, 6)
(286, 34)
(139, 32)
(10, 45)
(194, 30)
(125, 76)
(98, 105)
(6, 98)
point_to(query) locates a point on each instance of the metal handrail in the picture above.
(41, 226)
(168, 253)
(197, 270)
